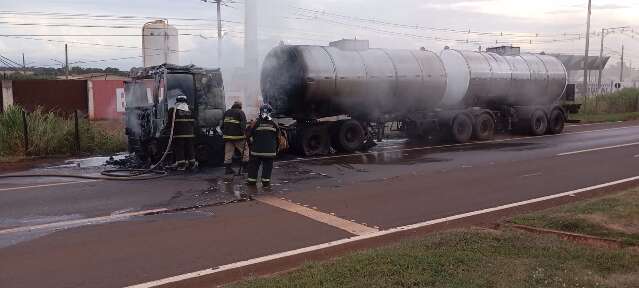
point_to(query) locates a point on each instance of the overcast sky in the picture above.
(555, 26)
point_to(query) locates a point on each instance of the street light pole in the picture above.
(587, 49)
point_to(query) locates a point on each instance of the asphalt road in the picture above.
(68, 233)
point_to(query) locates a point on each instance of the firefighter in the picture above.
(183, 133)
(264, 146)
(234, 131)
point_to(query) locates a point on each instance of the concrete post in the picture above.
(7, 93)
(90, 100)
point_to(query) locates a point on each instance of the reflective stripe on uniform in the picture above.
(266, 128)
(251, 180)
(231, 120)
(263, 154)
(228, 137)
(184, 136)
(266, 180)
(184, 120)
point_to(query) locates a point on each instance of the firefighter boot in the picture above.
(245, 166)
(228, 170)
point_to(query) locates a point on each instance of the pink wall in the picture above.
(108, 96)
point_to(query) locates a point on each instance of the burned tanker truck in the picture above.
(340, 96)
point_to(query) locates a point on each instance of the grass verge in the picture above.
(614, 217)
(52, 135)
(493, 258)
(607, 117)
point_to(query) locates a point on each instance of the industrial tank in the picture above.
(311, 82)
(160, 44)
(490, 79)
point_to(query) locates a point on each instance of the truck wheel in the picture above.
(349, 137)
(484, 128)
(557, 122)
(538, 123)
(314, 140)
(462, 128)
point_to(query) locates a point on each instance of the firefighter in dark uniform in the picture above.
(264, 147)
(234, 131)
(183, 133)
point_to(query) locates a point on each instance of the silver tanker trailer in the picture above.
(338, 95)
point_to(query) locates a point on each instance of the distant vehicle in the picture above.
(340, 96)
(147, 107)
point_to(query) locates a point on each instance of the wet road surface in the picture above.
(112, 234)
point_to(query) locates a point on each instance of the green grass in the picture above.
(50, 134)
(619, 106)
(610, 117)
(488, 258)
(615, 216)
(470, 258)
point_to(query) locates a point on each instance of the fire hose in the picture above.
(116, 174)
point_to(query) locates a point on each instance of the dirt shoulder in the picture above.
(504, 257)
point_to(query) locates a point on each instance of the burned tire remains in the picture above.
(313, 140)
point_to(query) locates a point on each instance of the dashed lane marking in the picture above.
(598, 149)
(290, 253)
(347, 225)
(47, 185)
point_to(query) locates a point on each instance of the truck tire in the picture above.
(462, 128)
(349, 136)
(538, 123)
(314, 140)
(557, 122)
(484, 128)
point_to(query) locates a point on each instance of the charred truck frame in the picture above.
(147, 107)
(339, 96)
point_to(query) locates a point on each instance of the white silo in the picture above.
(160, 43)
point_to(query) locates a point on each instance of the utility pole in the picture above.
(219, 32)
(66, 59)
(24, 66)
(603, 34)
(621, 73)
(587, 49)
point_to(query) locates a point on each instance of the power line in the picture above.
(435, 29)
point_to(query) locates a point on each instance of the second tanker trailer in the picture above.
(336, 94)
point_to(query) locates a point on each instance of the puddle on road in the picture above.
(90, 162)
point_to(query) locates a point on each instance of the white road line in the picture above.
(450, 145)
(47, 185)
(281, 255)
(597, 149)
(95, 220)
(346, 225)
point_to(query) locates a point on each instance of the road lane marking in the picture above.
(449, 145)
(80, 222)
(598, 149)
(330, 219)
(47, 185)
(531, 175)
(241, 264)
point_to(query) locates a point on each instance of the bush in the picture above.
(623, 101)
(50, 134)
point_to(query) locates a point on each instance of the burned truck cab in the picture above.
(147, 110)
